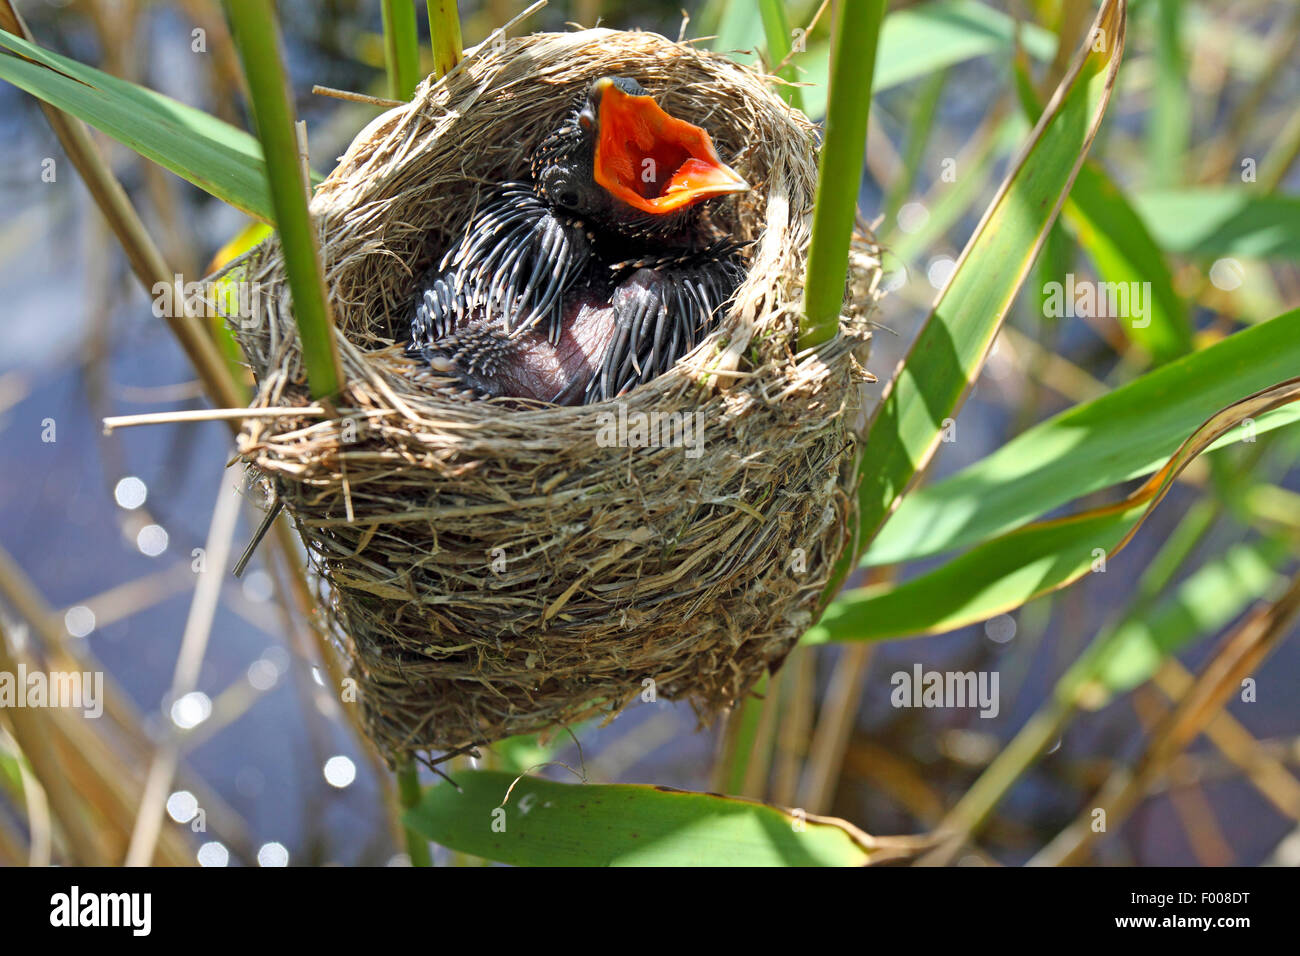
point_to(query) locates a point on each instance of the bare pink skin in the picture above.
(537, 369)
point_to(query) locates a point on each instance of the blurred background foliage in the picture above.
(1191, 186)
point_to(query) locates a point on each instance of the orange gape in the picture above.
(654, 162)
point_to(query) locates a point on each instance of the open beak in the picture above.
(652, 161)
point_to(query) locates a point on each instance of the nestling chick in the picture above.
(596, 275)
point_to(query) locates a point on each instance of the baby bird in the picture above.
(596, 275)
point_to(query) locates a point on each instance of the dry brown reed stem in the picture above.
(494, 570)
(1269, 775)
(83, 843)
(1238, 655)
(120, 741)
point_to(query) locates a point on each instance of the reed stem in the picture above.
(776, 29)
(257, 37)
(408, 792)
(401, 47)
(853, 63)
(444, 34)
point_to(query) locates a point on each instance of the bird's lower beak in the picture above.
(654, 161)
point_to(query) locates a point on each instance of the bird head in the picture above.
(625, 163)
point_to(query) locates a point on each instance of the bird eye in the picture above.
(568, 198)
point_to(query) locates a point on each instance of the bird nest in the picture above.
(490, 569)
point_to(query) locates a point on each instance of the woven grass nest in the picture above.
(492, 570)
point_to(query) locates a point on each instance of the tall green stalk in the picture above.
(257, 37)
(408, 793)
(776, 28)
(1170, 122)
(401, 47)
(853, 63)
(444, 35)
